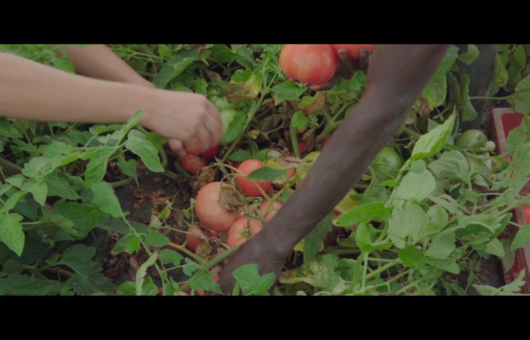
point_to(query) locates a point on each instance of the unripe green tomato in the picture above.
(471, 139)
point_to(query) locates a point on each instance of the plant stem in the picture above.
(9, 168)
(294, 141)
(121, 183)
(187, 252)
(382, 269)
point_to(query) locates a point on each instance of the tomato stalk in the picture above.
(197, 258)
(121, 183)
(294, 141)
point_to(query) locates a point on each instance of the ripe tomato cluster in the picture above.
(316, 64)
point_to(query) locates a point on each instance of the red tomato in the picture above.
(211, 152)
(302, 144)
(194, 241)
(526, 209)
(216, 279)
(291, 173)
(192, 163)
(353, 49)
(325, 141)
(212, 215)
(248, 187)
(194, 149)
(265, 205)
(242, 230)
(311, 64)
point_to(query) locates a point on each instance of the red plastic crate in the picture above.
(504, 121)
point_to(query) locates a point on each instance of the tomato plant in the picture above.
(247, 186)
(311, 64)
(192, 163)
(227, 117)
(212, 215)
(243, 229)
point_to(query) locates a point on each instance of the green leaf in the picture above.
(444, 264)
(97, 166)
(287, 91)
(432, 142)
(38, 189)
(240, 156)
(156, 239)
(23, 285)
(299, 120)
(8, 130)
(133, 245)
(313, 241)
(12, 266)
(35, 166)
(11, 233)
(140, 146)
(521, 97)
(128, 288)
(174, 67)
(522, 239)
(128, 167)
(520, 55)
(468, 111)
(106, 200)
(412, 257)
(236, 126)
(203, 281)
(170, 256)
(408, 222)
(246, 57)
(518, 136)
(442, 245)
(12, 201)
(495, 247)
(416, 186)
(320, 274)
(122, 243)
(436, 90)
(451, 165)
(221, 53)
(363, 213)
(140, 274)
(156, 139)
(84, 217)
(58, 186)
(500, 75)
(270, 172)
(470, 55)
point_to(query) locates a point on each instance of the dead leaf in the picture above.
(213, 76)
(316, 105)
(229, 198)
(205, 176)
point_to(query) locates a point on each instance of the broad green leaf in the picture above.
(412, 257)
(520, 55)
(522, 239)
(470, 55)
(287, 91)
(23, 285)
(435, 91)
(223, 54)
(362, 214)
(170, 256)
(236, 126)
(270, 172)
(11, 233)
(12, 266)
(431, 143)
(38, 189)
(84, 217)
(128, 167)
(442, 245)
(240, 156)
(122, 243)
(451, 165)
(140, 274)
(515, 176)
(203, 281)
(408, 222)
(416, 186)
(313, 241)
(156, 139)
(518, 136)
(444, 264)
(500, 75)
(521, 97)
(156, 239)
(8, 130)
(438, 218)
(133, 245)
(320, 274)
(174, 67)
(140, 146)
(495, 247)
(58, 186)
(97, 166)
(299, 120)
(35, 167)
(106, 200)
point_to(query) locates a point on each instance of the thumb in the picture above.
(176, 147)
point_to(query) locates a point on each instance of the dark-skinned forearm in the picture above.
(382, 110)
